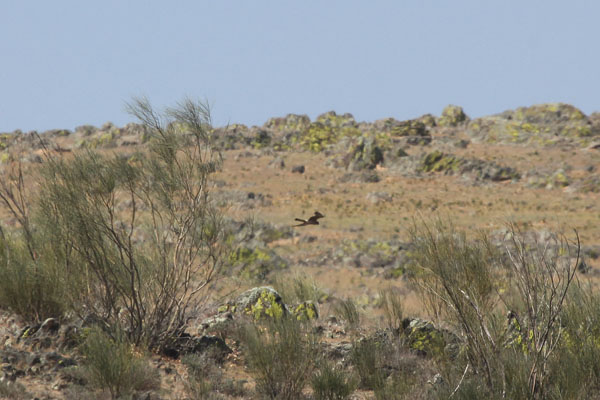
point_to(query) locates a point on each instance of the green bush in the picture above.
(13, 391)
(136, 240)
(347, 311)
(33, 287)
(471, 286)
(206, 380)
(368, 359)
(113, 364)
(298, 288)
(281, 355)
(393, 311)
(331, 383)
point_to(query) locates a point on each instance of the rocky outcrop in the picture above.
(544, 124)
(449, 164)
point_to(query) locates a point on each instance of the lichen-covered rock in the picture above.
(217, 323)
(428, 120)
(437, 161)
(544, 124)
(452, 116)
(327, 129)
(368, 176)
(305, 311)
(188, 344)
(289, 123)
(260, 139)
(393, 127)
(426, 339)
(365, 154)
(558, 179)
(231, 137)
(449, 164)
(261, 302)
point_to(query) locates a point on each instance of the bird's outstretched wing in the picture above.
(314, 220)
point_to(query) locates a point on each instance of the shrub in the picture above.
(112, 364)
(13, 391)
(472, 285)
(367, 358)
(298, 288)
(347, 311)
(138, 238)
(391, 301)
(281, 354)
(206, 379)
(331, 383)
(32, 282)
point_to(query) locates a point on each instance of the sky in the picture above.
(70, 63)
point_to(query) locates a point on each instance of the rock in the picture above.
(365, 154)
(452, 116)
(50, 326)
(328, 129)
(86, 130)
(289, 123)
(379, 197)
(188, 344)
(260, 302)
(449, 164)
(307, 310)
(393, 127)
(277, 162)
(260, 139)
(544, 124)
(217, 323)
(426, 339)
(298, 169)
(583, 268)
(369, 176)
(558, 179)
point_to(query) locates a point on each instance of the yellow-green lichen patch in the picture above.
(437, 161)
(5, 158)
(5, 140)
(424, 338)
(305, 311)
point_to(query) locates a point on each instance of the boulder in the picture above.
(260, 302)
(393, 127)
(452, 116)
(289, 123)
(365, 154)
(426, 339)
(307, 310)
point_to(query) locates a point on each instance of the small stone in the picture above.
(298, 169)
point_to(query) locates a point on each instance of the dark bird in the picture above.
(314, 220)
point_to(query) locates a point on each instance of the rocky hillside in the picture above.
(354, 280)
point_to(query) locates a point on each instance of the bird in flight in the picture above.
(314, 220)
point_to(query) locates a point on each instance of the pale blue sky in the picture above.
(68, 63)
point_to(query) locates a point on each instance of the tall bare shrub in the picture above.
(140, 232)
